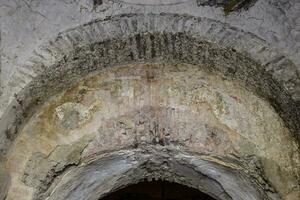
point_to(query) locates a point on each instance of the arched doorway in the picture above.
(178, 123)
(157, 190)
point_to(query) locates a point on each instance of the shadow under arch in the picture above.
(157, 190)
(107, 173)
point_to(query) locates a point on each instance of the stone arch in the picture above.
(116, 170)
(145, 106)
(59, 59)
(165, 39)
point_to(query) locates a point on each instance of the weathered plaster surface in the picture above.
(28, 54)
(28, 24)
(125, 39)
(45, 46)
(157, 163)
(177, 106)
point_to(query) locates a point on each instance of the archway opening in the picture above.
(157, 190)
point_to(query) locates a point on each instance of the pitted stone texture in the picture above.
(126, 39)
(220, 179)
(267, 33)
(128, 25)
(145, 47)
(275, 21)
(178, 106)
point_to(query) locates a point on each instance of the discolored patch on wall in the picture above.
(161, 105)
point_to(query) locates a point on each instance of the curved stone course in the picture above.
(99, 94)
(177, 106)
(139, 38)
(86, 182)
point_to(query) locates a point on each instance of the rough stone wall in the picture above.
(173, 106)
(28, 64)
(48, 45)
(63, 58)
(28, 24)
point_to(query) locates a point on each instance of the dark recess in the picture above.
(97, 2)
(228, 5)
(157, 190)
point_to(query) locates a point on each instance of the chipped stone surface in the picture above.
(37, 169)
(176, 106)
(238, 98)
(40, 169)
(165, 48)
(123, 167)
(36, 80)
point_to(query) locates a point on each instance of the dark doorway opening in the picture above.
(157, 190)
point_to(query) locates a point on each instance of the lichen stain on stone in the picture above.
(71, 115)
(180, 106)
